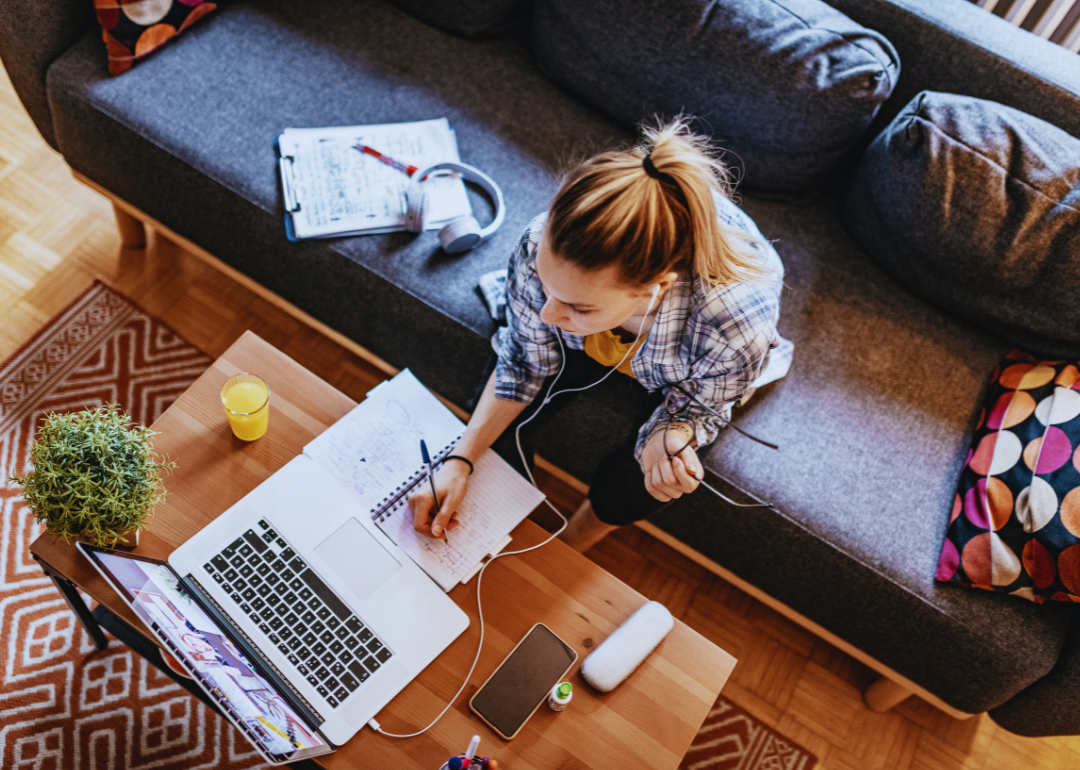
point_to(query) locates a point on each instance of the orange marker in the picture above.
(402, 167)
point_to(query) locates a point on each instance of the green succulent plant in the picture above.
(95, 475)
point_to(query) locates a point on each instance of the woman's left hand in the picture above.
(669, 479)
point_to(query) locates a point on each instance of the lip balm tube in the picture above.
(560, 696)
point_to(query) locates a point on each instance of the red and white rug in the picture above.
(731, 739)
(63, 703)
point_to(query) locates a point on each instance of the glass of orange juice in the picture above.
(246, 399)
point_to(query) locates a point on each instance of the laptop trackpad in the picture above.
(357, 558)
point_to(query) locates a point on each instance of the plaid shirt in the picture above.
(720, 336)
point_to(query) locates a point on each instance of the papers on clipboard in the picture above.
(332, 189)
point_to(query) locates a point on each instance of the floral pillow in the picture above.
(1015, 523)
(133, 29)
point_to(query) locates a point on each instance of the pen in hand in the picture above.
(431, 478)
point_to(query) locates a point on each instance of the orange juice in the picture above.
(247, 405)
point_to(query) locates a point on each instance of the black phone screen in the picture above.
(523, 680)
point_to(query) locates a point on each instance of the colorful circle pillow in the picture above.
(1015, 523)
(133, 29)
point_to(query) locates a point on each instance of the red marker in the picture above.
(402, 167)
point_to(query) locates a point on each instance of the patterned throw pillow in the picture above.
(133, 29)
(1015, 523)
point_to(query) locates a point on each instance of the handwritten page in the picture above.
(375, 452)
(494, 505)
(342, 191)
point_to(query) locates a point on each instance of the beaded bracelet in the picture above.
(463, 459)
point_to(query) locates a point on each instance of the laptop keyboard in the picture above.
(329, 646)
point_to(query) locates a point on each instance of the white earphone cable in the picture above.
(374, 725)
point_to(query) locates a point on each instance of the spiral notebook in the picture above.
(374, 452)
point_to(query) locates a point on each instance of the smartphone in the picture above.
(522, 682)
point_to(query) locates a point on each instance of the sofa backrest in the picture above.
(954, 46)
(469, 18)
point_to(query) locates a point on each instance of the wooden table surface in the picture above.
(649, 720)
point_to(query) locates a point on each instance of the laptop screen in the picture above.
(159, 598)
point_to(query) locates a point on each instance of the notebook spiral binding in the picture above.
(397, 498)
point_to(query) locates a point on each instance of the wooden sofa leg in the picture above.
(883, 693)
(132, 231)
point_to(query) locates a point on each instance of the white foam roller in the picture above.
(622, 652)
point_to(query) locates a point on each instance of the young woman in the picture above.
(644, 263)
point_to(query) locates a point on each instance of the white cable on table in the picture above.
(372, 723)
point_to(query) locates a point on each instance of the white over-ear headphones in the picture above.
(460, 233)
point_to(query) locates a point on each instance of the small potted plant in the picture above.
(95, 476)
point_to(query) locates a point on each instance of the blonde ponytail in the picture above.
(613, 210)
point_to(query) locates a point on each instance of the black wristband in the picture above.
(464, 460)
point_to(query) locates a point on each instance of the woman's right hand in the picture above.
(451, 481)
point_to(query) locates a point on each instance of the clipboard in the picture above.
(330, 189)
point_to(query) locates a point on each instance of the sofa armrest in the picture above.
(956, 47)
(33, 34)
(1051, 705)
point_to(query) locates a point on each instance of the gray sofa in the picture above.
(874, 419)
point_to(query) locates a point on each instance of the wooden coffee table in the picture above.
(649, 721)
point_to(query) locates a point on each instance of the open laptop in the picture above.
(243, 689)
(320, 601)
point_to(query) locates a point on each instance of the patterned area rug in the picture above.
(731, 739)
(64, 704)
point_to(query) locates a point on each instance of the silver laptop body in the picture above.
(349, 620)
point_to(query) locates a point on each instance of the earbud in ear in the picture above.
(655, 291)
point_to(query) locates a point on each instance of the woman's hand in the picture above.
(451, 481)
(669, 479)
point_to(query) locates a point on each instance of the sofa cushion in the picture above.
(786, 86)
(975, 206)
(137, 28)
(469, 18)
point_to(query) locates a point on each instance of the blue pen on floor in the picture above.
(431, 478)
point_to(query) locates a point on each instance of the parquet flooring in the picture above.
(56, 235)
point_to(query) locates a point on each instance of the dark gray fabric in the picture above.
(616, 490)
(1051, 706)
(209, 142)
(976, 207)
(32, 35)
(956, 47)
(873, 421)
(470, 18)
(786, 86)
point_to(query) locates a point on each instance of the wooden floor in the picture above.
(56, 236)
